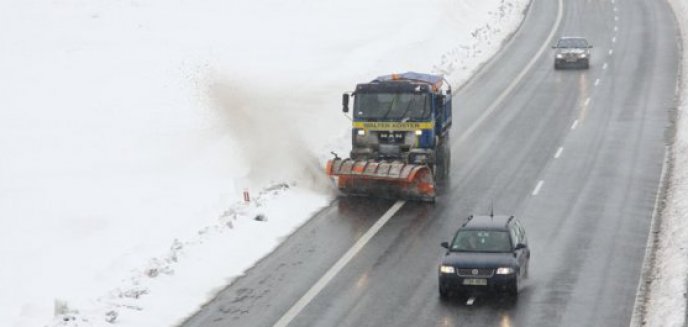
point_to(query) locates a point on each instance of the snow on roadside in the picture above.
(666, 298)
(129, 129)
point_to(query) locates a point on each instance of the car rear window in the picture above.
(572, 43)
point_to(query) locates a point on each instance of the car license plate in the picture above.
(475, 281)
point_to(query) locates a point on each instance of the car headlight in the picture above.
(505, 271)
(559, 55)
(582, 55)
(447, 269)
(361, 132)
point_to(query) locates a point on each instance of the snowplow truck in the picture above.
(400, 138)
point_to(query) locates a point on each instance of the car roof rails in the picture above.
(509, 220)
(467, 221)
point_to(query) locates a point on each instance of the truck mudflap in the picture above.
(395, 180)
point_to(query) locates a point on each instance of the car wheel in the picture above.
(444, 294)
(556, 66)
(513, 289)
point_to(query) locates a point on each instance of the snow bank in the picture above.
(666, 300)
(129, 129)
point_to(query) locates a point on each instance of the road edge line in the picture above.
(642, 291)
(337, 267)
(519, 77)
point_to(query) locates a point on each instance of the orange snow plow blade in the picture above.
(383, 179)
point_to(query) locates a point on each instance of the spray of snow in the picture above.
(273, 131)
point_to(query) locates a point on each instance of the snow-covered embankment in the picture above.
(666, 297)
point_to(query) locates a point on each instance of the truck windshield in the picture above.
(392, 107)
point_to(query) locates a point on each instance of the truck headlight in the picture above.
(419, 158)
(447, 269)
(505, 271)
(361, 132)
(419, 132)
(582, 55)
(559, 55)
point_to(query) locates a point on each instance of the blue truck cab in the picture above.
(402, 117)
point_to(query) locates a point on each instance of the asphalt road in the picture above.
(576, 155)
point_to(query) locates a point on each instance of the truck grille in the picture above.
(475, 273)
(390, 137)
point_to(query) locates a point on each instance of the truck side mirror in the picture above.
(445, 245)
(345, 102)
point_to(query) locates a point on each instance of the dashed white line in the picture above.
(616, 18)
(558, 154)
(597, 82)
(575, 124)
(614, 39)
(612, 1)
(332, 272)
(616, 28)
(587, 102)
(611, 51)
(604, 66)
(615, 9)
(538, 187)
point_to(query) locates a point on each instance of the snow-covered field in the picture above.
(666, 299)
(129, 129)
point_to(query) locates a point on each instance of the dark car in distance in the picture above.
(572, 51)
(487, 254)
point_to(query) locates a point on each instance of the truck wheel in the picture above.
(442, 159)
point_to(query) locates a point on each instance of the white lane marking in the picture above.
(538, 187)
(470, 300)
(611, 51)
(616, 18)
(597, 82)
(614, 39)
(587, 102)
(616, 28)
(558, 154)
(332, 272)
(615, 9)
(507, 91)
(642, 290)
(612, 1)
(575, 123)
(604, 66)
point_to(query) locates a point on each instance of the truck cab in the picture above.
(403, 117)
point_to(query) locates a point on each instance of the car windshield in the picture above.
(481, 241)
(392, 107)
(572, 43)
